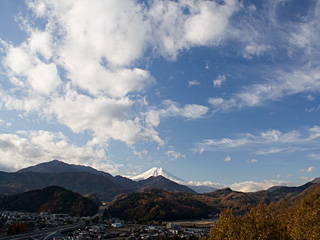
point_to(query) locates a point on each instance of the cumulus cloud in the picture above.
(80, 70)
(24, 149)
(183, 24)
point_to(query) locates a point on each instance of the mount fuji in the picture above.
(155, 172)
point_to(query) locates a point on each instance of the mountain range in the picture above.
(151, 196)
(157, 204)
(154, 172)
(81, 179)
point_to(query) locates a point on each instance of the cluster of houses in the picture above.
(12, 223)
(131, 231)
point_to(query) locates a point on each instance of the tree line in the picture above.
(284, 220)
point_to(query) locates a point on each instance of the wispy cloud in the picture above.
(283, 84)
(315, 156)
(175, 155)
(193, 83)
(307, 170)
(219, 81)
(227, 159)
(173, 109)
(271, 137)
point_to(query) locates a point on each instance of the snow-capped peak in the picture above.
(154, 172)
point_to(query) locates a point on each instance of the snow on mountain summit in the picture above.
(154, 172)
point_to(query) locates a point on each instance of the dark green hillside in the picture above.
(52, 200)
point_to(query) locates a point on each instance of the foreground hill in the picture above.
(291, 220)
(159, 205)
(52, 200)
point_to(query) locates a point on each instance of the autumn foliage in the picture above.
(297, 220)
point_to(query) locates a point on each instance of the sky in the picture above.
(222, 93)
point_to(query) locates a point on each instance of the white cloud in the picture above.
(175, 155)
(204, 183)
(80, 70)
(306, 179)
(313, 109)
(208, 24)
(283, 84)
(254, 49)
(250, 186)
(219, 81)
(7, 124)
(172, 109)
(270, 137)
(205, 23)
(254, 160)
(301, 39)
(140, 154)
(270, 151)
(216, 102)
(24, 149)
(315, 156)
(252, 8)
(305, 34)
(193, 83)
(307, 170)
(310, 97)
(227, 159)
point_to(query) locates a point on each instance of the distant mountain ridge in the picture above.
(81, 179)
(80, 182)
(162, 191)
(56, 166)
(168, 206)
(158, 171)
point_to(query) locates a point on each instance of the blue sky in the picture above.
(223, 93)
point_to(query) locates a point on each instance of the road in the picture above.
(43, 232)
